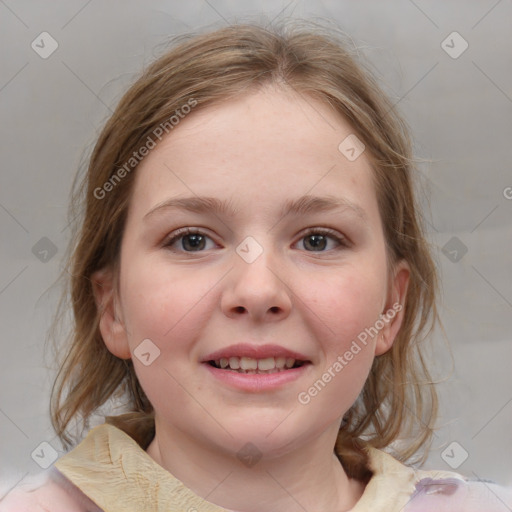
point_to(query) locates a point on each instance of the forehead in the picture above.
(264, 148)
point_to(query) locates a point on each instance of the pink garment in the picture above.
(54, 493)
(456, 495)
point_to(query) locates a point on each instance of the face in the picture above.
(254, 284)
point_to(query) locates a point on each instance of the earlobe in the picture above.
(111, 324)
(393, 314)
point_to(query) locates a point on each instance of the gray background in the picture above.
(460, 110)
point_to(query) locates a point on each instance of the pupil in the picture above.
(196, 240)
(318, 241)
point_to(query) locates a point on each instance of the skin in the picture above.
(257, 150)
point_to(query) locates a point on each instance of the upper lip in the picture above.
(255, 352)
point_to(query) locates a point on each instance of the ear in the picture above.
(112, 328)
(393, 312)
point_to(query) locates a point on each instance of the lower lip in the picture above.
(255, 382)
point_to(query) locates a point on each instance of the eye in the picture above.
(192, 239)
(317, 239)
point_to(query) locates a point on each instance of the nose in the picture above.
(257, 289)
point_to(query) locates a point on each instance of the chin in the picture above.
(272, 436)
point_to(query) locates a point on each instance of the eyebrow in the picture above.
(300, 206)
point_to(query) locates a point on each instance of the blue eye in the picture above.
(193, 240)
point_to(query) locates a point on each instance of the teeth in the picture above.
(234, 363)
(266, 364)
(246, 363)
(280, 362)
(250, 365)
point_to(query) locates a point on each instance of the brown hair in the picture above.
(211, 67)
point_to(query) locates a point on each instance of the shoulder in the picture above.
(395, 486)
(47, 492)
(457, 493)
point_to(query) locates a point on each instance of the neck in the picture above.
(309, 478)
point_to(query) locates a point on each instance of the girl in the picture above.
(252, 274)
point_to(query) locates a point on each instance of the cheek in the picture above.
(166, 308)
(161, 303)
(344, 308)
(348, 303)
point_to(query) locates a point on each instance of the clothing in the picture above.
(109, 472)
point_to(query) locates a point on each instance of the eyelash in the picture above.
(310, 231)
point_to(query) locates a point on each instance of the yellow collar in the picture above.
(119, 476)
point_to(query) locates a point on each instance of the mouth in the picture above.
(253, 368)
(249, 365)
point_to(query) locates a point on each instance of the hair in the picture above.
(212, 67)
